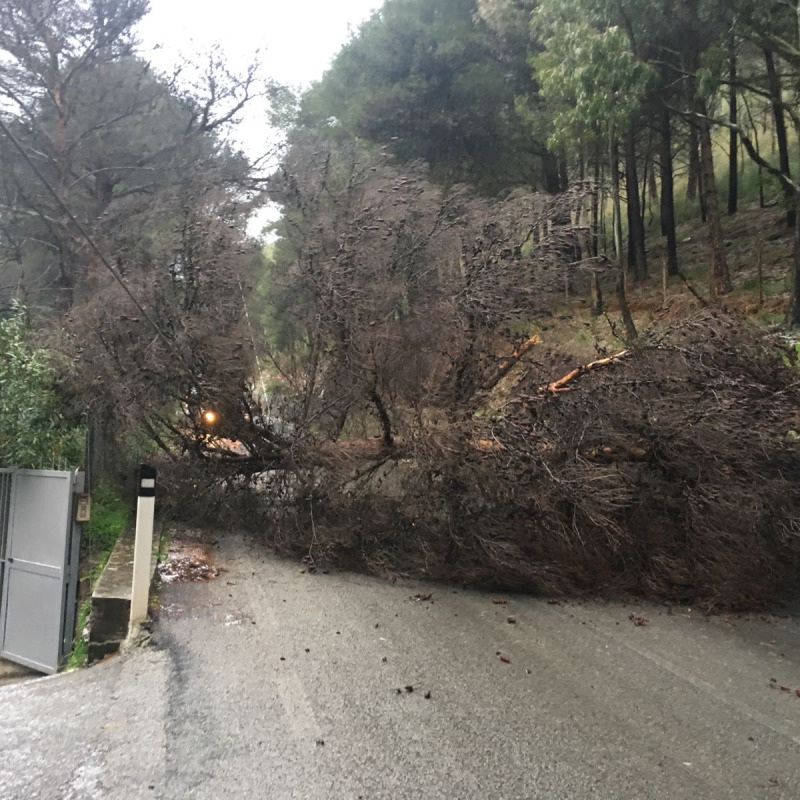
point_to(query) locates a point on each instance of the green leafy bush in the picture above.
(33, 430)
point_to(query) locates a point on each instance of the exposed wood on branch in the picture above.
(561, 384)
(700, 299)
(506, 364)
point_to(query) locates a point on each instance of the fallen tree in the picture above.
(669, 472)
(418, 426)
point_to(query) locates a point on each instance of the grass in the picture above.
(571, 330)
(110, 516)
(80, 648)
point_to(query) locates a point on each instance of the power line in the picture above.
(98, 252)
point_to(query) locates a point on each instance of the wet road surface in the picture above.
(269, 682)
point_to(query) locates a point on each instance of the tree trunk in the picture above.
(595, 238)
(563, 171)
(597, 296)
(693, 182)
(733, 116)
(630, 328)
(637, 256)
(615, 200)
(383, 418)
(552, 180)
(720, 276)
(668, 193)
(776, 93)
(581, 246)
(793, 313)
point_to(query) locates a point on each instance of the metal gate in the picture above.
(39, 553)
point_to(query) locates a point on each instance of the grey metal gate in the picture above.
(39, 553)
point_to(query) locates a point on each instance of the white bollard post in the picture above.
(143, 546)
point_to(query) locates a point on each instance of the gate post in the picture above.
(143, 547)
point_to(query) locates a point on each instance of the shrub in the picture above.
(34, 432)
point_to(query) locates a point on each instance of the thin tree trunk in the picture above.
(793, 312)
(563, 171)
(597, 296)
(720, 276)
(693, 182)
(733, 156)
(636, 249)
(754, 128)
(595, 239)
(668, 193)
(552, 180)
(776, 92)
(630, 327)
(615, 200)
(383, 418)
(602, 211)
(580, 242)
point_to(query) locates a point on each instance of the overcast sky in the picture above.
(297, 39)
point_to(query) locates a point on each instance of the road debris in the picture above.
(188, 560)
(498, 601)
(511, 620)
(639, 620)
(420, 597)
(504, 658)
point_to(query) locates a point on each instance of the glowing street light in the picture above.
(210, 417)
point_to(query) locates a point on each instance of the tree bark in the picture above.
(733, 140)
(668, 193)
(383, 418)
(615, 200)
(688, 12)
(720, 276)
(630, 327)
(793, 312)
(597, 296)
(693, 181)
(637, 255)
(552, 179)
(595, 238)
(776, 93)
(563, 171)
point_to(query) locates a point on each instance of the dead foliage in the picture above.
(668, 473)
(420, 429)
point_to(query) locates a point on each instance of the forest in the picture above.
(527, 317)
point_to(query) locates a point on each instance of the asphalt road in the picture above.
(269, 683)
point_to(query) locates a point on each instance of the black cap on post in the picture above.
(147, 481)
